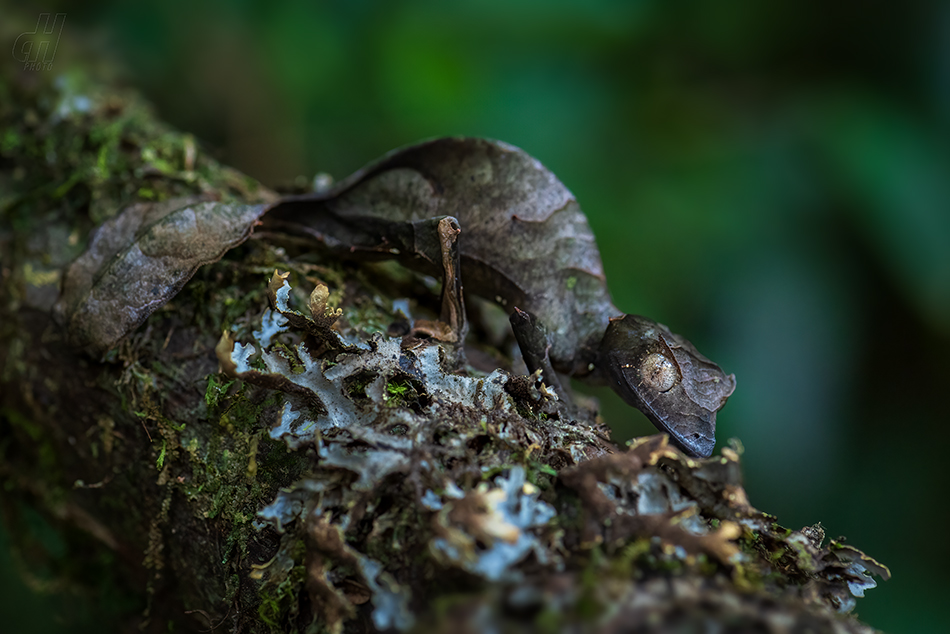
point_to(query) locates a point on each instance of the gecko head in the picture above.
(666, 378)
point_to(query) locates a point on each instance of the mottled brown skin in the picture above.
(525, 244)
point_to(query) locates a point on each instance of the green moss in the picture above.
(356, 385)
(290, 354)
(369, 316)
(540, 474)
(588, 604)
(217, 388)
(279, 604)
(72, 168)
(235, 468)
(550, 620)
(161, 457)
(402, 391)
(625, 562)
(781, 530)
(397, 390)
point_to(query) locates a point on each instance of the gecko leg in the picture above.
(453, 303)
(534, 342)
(436, 239)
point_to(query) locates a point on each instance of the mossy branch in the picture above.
(333, 477)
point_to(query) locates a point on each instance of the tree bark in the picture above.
(411, 497)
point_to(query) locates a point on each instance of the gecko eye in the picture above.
(658, 372)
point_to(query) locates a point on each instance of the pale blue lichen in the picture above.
(282, 302)
(370, 464)
(453, 491)
(272, 324)
(402, 306)
(431, 500)
(286, 426)
(381, 357)
(241, 357)
(390, 600)
(863, 580)
(291, 503)
(513, 513)
(657, 494)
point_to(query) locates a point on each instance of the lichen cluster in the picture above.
(425, 478)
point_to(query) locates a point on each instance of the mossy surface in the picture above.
(406, 493)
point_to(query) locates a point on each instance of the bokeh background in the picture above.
(771, 179)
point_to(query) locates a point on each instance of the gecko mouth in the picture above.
(684, 429)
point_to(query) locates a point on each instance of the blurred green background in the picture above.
(771, 179)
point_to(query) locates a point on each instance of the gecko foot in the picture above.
(534, 342)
